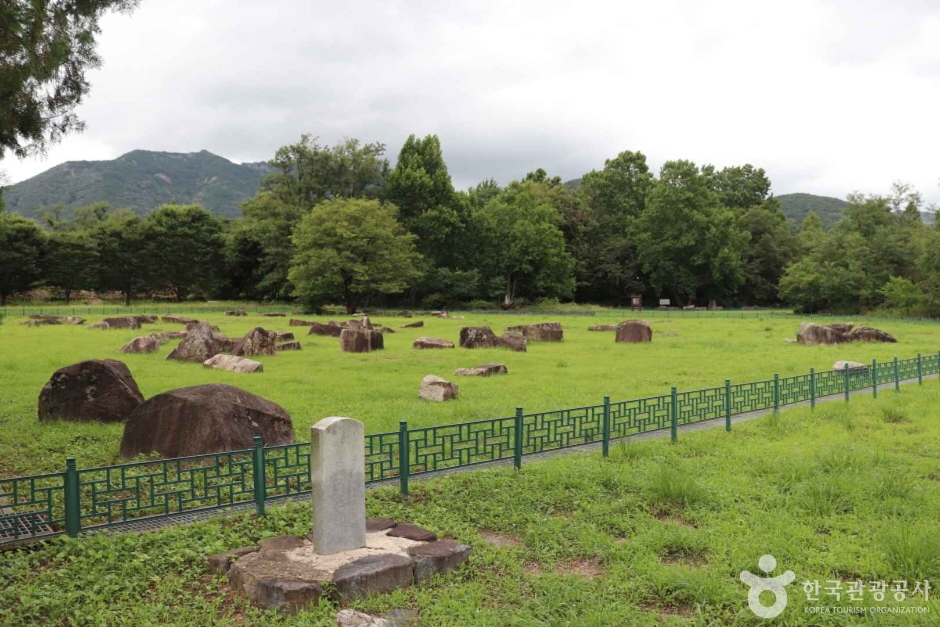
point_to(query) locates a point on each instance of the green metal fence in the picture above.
(41, 506)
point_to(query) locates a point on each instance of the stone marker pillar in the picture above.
(337, 466)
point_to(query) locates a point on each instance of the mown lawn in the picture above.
(381, 388)
(655, 535)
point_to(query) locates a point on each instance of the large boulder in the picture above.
(142, 344)
(634, 331)
(869, 334)
(294, 322)
(431, 342)
(124, 322)
(273, 314)
(204, 419)
(541, 332)
(231, 363)
(145, 318)
(360, 340)
(840, 327)
(256, 342)
(292, 345)
(434, 388)
(199, 344)
(236, 312)
(486, 370)
(330, 330)
(413, 325)
(101, 390)
(812, 334)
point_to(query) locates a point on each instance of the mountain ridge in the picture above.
(140, 180)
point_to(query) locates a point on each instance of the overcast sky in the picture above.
(828, 97)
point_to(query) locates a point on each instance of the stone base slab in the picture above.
(287, 573)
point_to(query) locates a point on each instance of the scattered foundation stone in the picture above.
(634, 331)
(232, 363)
(431, 342)
(434, 388)
(486, 370)
(541, 332)
(143, 344)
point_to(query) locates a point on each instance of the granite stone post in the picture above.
(337, 466)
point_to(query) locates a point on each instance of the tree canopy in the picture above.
(348, 250)
(46, 47)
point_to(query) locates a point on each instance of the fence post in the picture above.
(812, 388)
(920, 370)
(874, 378)
(517, 441)
(728, 405)
(845, 376)
(938, 365)
(73, 514)
(674, 416)
(257, 463)
(404, 463)
(897, 376)
(605, 432)
(776, 393)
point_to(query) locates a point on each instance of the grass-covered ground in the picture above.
(381, 388)
(655, 535)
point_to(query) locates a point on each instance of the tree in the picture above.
(266, 232)
(71, 263)
(125, 254)
(309, 172)
(188, 249)
(46, 47)
(522, 250)
(352, 250)
(598, 230)
(420, 186)
(687, 241)
(22, 249)
(738, 187)
(772, 247)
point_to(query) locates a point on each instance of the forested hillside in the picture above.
(140, 180)
(796, 207)
(341, 224)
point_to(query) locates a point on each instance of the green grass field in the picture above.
(381, 388)
(655, 535)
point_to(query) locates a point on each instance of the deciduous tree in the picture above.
(352, 250)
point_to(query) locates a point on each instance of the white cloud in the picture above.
(828, 97)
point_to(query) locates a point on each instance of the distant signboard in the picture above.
(663, 302)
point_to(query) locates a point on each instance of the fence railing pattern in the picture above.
(42, 506)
